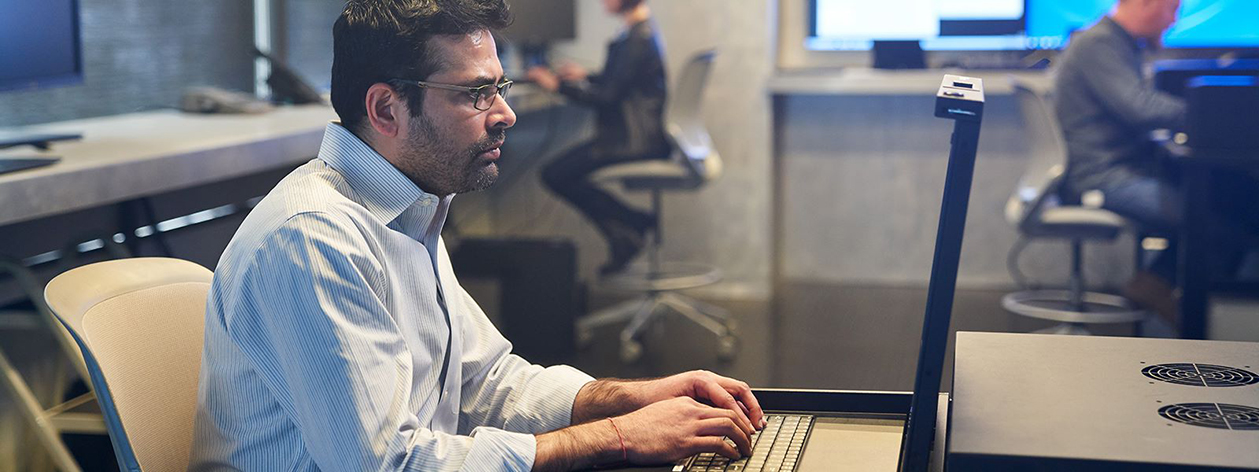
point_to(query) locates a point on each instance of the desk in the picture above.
(866, 81)
(129, 156)
(1195, 271)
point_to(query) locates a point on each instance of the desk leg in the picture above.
(1195, 271)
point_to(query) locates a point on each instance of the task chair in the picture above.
(77, 415)
(1039, 214)
(139, 324)
(692, 164)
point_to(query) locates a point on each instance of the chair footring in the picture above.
(1057, 305)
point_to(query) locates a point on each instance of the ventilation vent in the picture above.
(1201, 375)
(1213, 415)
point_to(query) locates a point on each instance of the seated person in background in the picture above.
(1107, 110)
(337, 336)
(628, 98)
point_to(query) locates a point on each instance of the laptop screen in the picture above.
(960, 99)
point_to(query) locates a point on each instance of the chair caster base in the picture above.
(727, 348)
(631, 351)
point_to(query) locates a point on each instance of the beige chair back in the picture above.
(139, 323)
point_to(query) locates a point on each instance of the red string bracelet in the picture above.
(624, 453)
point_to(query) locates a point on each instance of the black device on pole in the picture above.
(960, 99)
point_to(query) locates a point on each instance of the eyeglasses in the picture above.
(482, 96)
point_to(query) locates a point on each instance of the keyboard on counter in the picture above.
(776, 448)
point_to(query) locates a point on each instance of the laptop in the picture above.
(826, 437)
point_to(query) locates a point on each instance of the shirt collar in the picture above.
(381, 187)
(1123, 33)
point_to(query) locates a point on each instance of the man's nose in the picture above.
(501, 115)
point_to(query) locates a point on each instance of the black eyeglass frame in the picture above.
(477, 93)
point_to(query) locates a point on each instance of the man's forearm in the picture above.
(605, 398)
(578, 447)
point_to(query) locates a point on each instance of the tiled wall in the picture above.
(141, 54)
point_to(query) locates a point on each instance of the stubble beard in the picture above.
(438, 169)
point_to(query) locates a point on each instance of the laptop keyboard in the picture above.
(776, 448)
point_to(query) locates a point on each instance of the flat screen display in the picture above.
(980, 25)
(939, 24)
(1202, 23)
(39, 43)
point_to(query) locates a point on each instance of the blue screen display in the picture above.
(39, 43)
(1202, 23)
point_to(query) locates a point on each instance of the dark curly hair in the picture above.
(374, 41)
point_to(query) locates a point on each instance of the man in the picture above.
(338, 338)
(1107, 110)
(628, 98)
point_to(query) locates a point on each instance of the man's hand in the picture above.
(572, 72)
(662, 432)
(670, 430)
(707, 387)
(604, 398)
(544, 78)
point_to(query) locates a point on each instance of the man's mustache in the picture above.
(491, 140)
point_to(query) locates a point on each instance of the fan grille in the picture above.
(1201, 375)
(1213, 415)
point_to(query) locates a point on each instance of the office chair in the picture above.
(139, 324)
(693, 163)
(1038, 213)
(78, 415)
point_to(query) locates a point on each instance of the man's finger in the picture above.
(734, 417)
(722, 398)
(724, 427)
(743, 393)
(717, 445)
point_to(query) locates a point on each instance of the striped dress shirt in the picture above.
(338, 338)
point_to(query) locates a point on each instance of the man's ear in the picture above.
(385, 109)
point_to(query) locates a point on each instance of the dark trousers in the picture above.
(568, 176)
(1155, 204)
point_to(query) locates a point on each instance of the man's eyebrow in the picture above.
(479, 81)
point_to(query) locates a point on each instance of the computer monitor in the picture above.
(940, 25)
(541, 21)
(1223, 24)
(987, 25)
(1173, 75)
(39, 48)
(39, 44)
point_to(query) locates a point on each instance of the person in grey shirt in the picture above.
(1107, 108)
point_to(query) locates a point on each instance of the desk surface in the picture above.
(865, 81)
(129, 156)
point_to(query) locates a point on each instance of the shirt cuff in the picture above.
(495, 449)
(549, 402)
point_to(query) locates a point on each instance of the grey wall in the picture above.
(860, 182)
(141, 54)
(304, 37)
